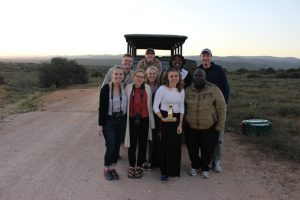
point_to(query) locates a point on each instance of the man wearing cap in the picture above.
(215, 74)
(126, 64)
(149, 60)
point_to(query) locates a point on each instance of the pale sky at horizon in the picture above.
(231, 27)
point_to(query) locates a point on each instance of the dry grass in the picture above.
(266, 97)
(20, 90)
(254, 94)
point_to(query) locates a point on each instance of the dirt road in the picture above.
(56, 154)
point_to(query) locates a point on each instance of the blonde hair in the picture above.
(139, 70)
(154, 68)
(115, 68)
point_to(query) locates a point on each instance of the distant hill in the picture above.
(228, 62)
(254, 62)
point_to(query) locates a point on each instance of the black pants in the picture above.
(113, 132)
(154, 145)
(154, 149)
(205, 140)
(138, 139)
(170, 147)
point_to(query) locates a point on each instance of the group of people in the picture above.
(149, 110)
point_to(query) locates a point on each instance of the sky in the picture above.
(80, 27)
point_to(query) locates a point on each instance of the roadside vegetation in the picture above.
(61, 72)
(266, 94)
(263, 94)
(21, 84)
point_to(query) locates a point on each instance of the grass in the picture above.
(20, 89)
(254, 94)
(267, 97)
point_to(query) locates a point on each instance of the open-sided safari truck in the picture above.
(173, 43)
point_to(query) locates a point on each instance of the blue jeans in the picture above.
(218, 152)
(113, 133)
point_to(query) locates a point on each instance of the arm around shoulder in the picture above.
(157, 99)
(221, 109)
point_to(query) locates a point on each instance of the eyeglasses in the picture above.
(142, 77)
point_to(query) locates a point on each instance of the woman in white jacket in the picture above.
(140, 122)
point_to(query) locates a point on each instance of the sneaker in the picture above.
(149, 168)
(163, 178)
(218, 166)
(205, 174)
(146, 166)
(114, 174)
(193, 172)
(108, 175)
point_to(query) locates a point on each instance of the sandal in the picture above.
(138, 173)
(131, 172)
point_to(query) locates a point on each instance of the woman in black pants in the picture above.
(170, 97)
(139, 122)
(112, 120)
(153, 160)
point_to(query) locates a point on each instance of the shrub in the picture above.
(290, 74)
(270, 70)
(96, 74)
(242, 70)
(281, 75)
(62, 72)
(294, 75)
(253, 76)
(2, 81)
(293, 70)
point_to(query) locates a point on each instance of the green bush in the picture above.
(62, 72)
(2, 81)
(281, 75)
(294, 75)
(253, 76)
(242, 70)
(96, 74)
(293, 70)
(270, 70)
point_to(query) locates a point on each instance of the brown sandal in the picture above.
(131, 172)
(138, 173)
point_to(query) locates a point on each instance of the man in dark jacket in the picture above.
(215, 74)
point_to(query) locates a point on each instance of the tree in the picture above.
(62, 72)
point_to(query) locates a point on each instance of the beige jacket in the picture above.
(144, 65)
(205, 108)
(128, 90)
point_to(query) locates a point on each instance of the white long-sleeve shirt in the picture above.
(165, 97)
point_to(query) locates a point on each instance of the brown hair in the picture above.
(179, 85)
(127, 55)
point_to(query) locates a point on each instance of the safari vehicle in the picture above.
(173, 43)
